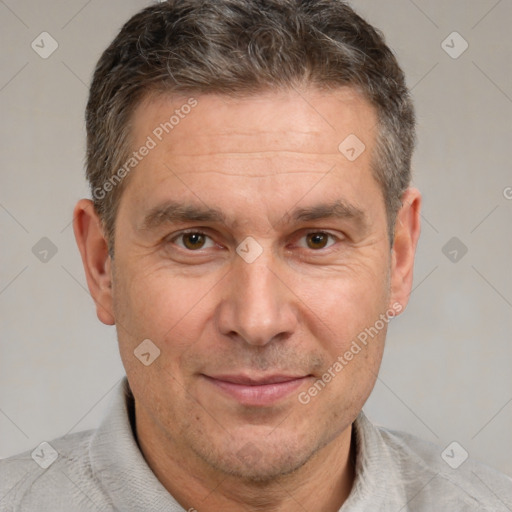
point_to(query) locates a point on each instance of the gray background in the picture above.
(446, 373)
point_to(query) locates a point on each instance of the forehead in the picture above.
(294, 120)
(267, 149)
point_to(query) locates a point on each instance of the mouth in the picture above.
(256, 391)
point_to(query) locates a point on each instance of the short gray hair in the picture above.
(242, 47)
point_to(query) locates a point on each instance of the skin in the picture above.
(293, 310)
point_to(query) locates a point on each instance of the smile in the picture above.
(256, 391)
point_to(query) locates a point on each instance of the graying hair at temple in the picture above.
(242, 47)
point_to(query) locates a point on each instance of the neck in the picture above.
(323, 483)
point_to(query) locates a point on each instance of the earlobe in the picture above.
(96, 260)
(407, 232)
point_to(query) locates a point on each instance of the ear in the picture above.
(95, 258)
(407, 232)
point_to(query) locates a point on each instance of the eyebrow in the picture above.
(172, 212)
(338, 209)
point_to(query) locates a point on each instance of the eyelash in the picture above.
(199, 232)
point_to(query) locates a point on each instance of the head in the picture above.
(237, 48)
(264, 228)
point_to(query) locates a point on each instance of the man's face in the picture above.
(244, 334)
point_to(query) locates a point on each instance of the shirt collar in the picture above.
(378, 484)
(119, 465)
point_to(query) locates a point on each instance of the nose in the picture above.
(257, 306)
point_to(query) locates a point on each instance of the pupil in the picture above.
(318, 239)
(194, 240)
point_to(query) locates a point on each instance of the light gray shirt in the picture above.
(104, 470)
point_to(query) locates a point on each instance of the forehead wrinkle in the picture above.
(261, 153)
(269, 174)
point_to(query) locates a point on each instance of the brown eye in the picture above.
(317, 240)
(193, 241)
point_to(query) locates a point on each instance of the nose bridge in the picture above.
(258, 306)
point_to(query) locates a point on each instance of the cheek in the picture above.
(340, 307)
(170, 311)
(161, 306)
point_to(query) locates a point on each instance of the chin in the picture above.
(268, 470)
(258, 462)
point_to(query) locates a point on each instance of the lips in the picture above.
(252, 381)
(256, 391)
